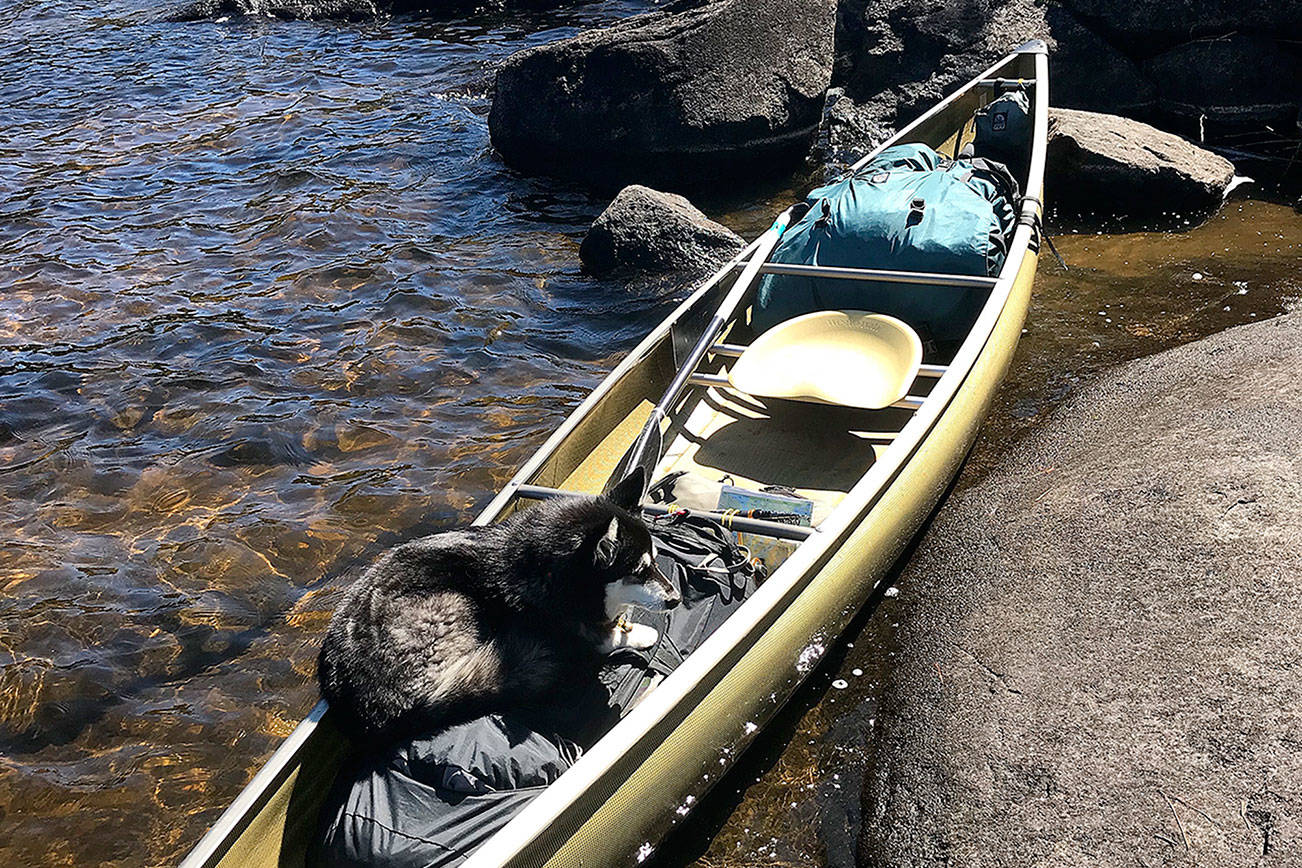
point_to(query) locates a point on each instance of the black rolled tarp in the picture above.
(430, 801)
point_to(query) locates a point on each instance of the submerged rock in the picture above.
(719, 88)
(1111, 167)
(262, 447)
(1101, 666)
(653, 232)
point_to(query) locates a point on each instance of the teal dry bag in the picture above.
(909, 209)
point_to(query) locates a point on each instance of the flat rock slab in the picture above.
(647, 231)
(1107, 166)
(701, 90)
(1104, 663)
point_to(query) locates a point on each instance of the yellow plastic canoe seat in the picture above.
(850, 358)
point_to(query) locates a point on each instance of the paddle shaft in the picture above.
(650, 434)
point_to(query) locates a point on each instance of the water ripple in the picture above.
(269, 303)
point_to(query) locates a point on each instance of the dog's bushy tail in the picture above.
(469, 687)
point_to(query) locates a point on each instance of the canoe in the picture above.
(873, 474)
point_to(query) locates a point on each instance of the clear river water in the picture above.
(268, 304)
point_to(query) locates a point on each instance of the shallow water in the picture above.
(269, 304)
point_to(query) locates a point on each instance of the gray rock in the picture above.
(1112, 167)
(1088, 72)
(648, 231)
(1102, 665)
(720, 87)
(1145, 26)
(904, 56)
(1236, 79)
(850, 130)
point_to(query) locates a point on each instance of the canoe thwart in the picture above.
(731, 351)
(775, 529)
(922, 278)
(734, 351)
(720, 381)
(1005, 82)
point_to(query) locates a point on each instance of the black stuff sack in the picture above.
(1003, 132)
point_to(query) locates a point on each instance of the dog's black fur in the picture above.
(487, 618)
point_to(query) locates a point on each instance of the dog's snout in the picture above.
(672, 595)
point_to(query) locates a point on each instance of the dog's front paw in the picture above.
(625, 634)
(640, 637)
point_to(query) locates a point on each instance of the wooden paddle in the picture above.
(645, 451)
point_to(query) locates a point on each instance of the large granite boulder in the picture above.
(907, 55)
(703, 89)
(1145, 26)
(898, 58)
(1236, 79)
(644, 230)
(1102, 664)
(1088, 72)
(1108, 167)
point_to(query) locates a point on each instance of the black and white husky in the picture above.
(491, 618)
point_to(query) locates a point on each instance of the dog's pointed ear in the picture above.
(628, 491)
(604, 553)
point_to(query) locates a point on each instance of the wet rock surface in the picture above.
(1236, 78)
(1106, 166)
(644, 230)
(1185, 63)
(1101, 664)
(723, 87)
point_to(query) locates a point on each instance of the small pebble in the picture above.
(890, 592)
(1197, 275)
(856, 672)
(840, 684)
